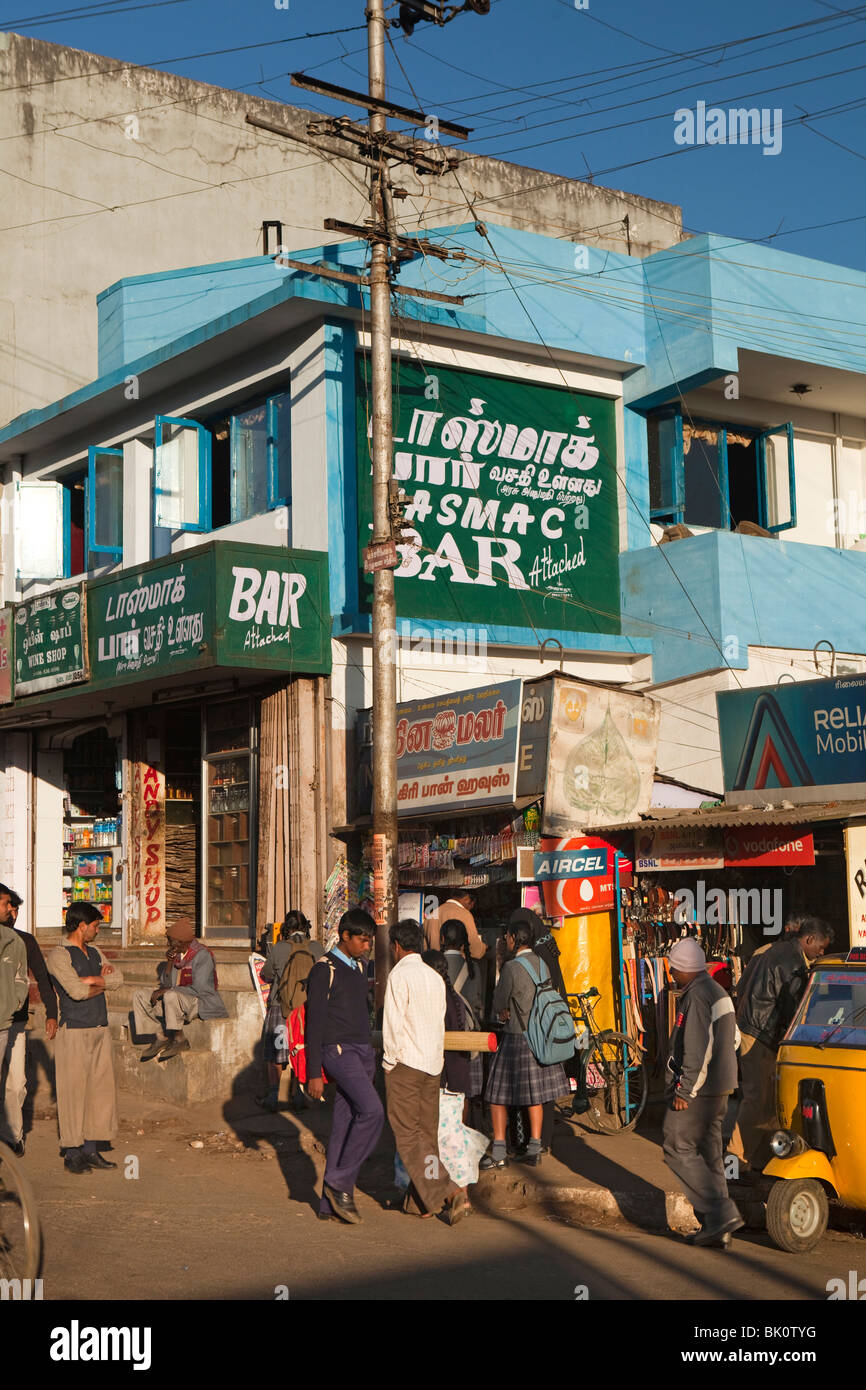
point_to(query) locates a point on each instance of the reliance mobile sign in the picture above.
(802, 741)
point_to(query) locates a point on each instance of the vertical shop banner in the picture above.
(51, 641)
(6, 655)
(458, 751)
(601, 756)
(534, 734)
(802, 741)
(147, 848)
(855, 860)
(513, 514)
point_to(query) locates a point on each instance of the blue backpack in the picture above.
(550, 1026)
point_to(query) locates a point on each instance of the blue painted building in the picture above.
(578, 408)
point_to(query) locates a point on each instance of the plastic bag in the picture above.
(460, 1148)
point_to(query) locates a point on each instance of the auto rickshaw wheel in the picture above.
(797, 1214)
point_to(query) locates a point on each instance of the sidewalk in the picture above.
(590, 1179)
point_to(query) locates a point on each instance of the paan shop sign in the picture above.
(458, 751)
(512, 515)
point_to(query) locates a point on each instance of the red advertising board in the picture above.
(573, 897)
(754, 846)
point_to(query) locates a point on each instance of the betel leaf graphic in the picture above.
(601, 777)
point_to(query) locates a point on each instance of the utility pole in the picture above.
(373, 148)
(384, 653)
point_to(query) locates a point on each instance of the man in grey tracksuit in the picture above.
(702, 1073)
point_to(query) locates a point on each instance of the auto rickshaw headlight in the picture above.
(784, 1143)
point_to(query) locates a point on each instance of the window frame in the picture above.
(91, 548)
(273, 499)
(203, 524)
(673, 467)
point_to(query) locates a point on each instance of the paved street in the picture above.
(236, 1223)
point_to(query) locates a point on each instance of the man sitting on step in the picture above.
(187, 989)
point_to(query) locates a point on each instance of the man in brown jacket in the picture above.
(458, 908)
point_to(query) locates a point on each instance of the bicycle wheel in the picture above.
(20, 1233)
(616, 1083)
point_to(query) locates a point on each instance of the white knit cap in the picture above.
(687, 955)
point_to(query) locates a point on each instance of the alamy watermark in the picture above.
(436, 646)
(738, 126)
(715, 907)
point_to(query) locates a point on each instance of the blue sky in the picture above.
(563, 89)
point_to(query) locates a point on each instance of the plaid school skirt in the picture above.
(516, 1078)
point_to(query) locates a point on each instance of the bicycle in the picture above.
(616, 1075)
(20, 1231)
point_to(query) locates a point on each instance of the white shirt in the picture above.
(413, 1025)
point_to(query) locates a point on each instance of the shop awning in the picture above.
(223, 611)
(677, 818)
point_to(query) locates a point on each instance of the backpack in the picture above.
(292, 984)
(550, 1026)
(297, 1027)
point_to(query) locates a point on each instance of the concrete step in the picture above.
(142, 973)
(198, 1031)
(197, 1075)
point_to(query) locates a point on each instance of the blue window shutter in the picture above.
(96, 522)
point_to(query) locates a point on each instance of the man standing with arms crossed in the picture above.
(86, 1109)
(12, 1130)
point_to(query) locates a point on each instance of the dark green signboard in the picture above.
(223, 604)
(513, 517)
(50, 641)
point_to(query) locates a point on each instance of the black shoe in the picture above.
(488, 1161)
(97, 1161)
(532, 1160)
(18, 1149)
(326, 1216)
(343, 1204)
(709, 1235)
(76, 1163)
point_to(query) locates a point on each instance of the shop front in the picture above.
(171, 751)
(490, 778)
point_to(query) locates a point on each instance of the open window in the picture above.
(260, 457)
(39, 530)
(182, 474)
(709, 474)
(105, 506)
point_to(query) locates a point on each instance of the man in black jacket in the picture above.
(337, 1038)
(769, 994)
(702, 1073)
(12, 1131)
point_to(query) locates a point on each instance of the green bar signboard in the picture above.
(512, 515)
(222, 604)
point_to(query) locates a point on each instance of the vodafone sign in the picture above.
(752, 846)
(573, 897)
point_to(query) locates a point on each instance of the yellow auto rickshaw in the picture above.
(820, 1149)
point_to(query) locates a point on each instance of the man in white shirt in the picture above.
(413, 1029)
